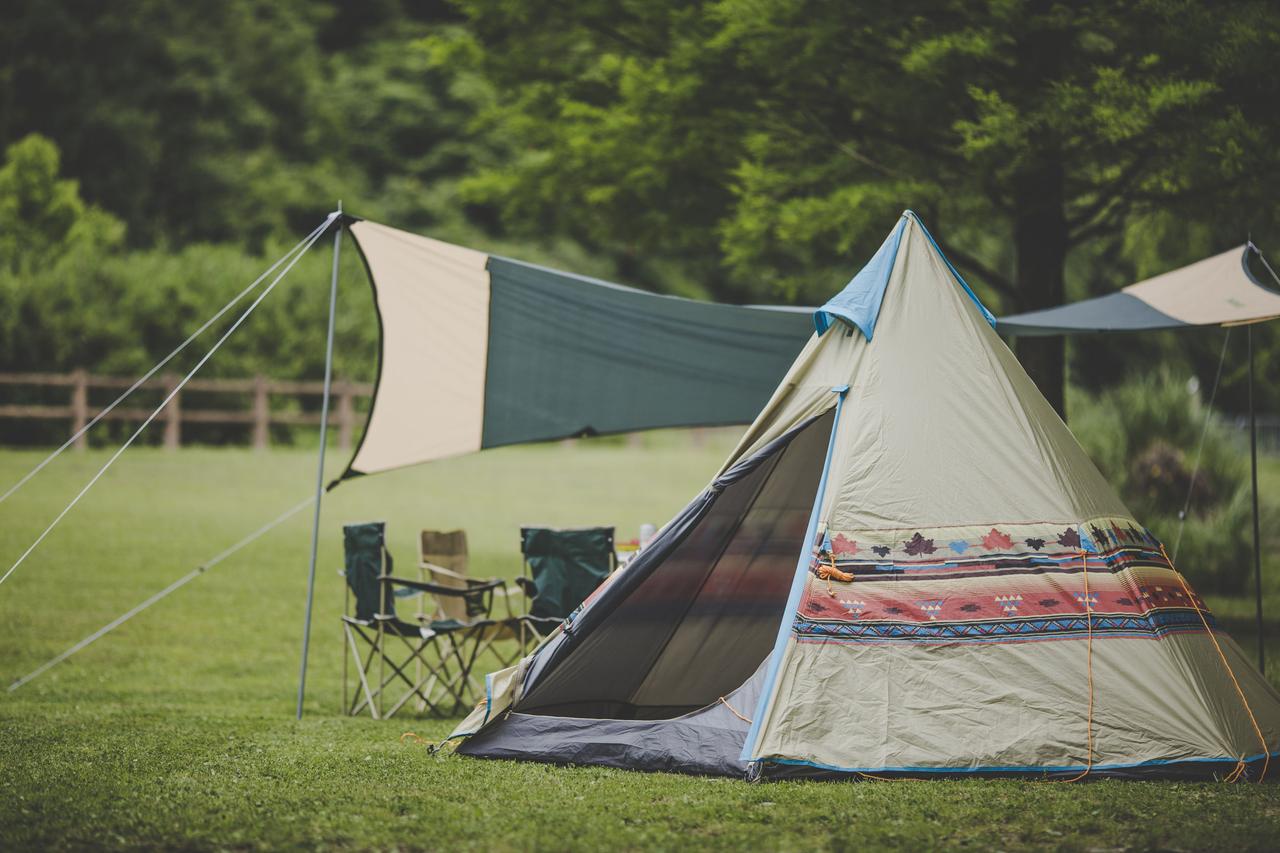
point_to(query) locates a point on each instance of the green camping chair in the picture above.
(562, 568)
(441, 652)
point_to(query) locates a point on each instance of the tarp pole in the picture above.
(324, 439)
(1257, 543)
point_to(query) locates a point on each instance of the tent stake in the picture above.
(1257, 544)
(324, 439)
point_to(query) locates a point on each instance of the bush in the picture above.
(1143, 435)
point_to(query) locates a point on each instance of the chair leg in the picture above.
(456, 684)
(382, 662)
(425, 687)
(364, 682)
(466, 687)
(365, 668)
(440, 684)
(415, 686)
(489, 640)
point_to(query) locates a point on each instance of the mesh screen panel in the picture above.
(700, 624)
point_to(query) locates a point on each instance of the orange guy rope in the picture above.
(1088, 616)
(733, 710)
(1266, 752)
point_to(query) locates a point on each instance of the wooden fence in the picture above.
(259, 415)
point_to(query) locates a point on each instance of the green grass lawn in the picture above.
(178, 730)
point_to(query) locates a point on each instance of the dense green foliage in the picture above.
(214, 120)
(748, 151)
(176, 730)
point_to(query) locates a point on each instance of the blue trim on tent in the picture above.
(1019, 768)
(859, 302)
(990, 318)
(797, 583)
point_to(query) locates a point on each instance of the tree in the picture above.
(41, 213)
(238, 120)
(780, 137)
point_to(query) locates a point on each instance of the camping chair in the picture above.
(442, 651)
(444, 561)
(561, 568)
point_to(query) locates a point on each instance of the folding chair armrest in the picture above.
(491, 583)
(423, 586)
(437, 589)
(450, 573)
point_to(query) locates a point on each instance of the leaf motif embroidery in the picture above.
(995, 540)
(881, 550)
(1070, 538)
(917, 545)
(958, 545)
(1035, 544)
(843, 546)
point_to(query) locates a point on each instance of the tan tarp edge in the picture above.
(1212, 292)
(433, 302)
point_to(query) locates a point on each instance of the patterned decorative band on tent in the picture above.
(1150, 626)
(991, 587)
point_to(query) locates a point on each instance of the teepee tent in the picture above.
(907, 567)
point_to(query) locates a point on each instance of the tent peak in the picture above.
(858, 304)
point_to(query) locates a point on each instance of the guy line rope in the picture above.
(152, 372)
(244, 315)
(173, 587)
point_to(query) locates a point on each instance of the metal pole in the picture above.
(324, 438)
(1257, 544)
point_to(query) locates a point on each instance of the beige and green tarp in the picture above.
(481, 351)
(1221, 290)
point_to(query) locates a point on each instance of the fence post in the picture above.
(172, 415)
(346, 413)
(80, 405)
(261, 413)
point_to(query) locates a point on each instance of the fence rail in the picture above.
(259, 415)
